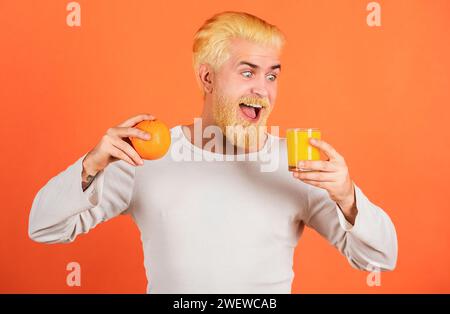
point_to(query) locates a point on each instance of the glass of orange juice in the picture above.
(298, 146)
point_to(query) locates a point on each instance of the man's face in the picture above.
(245, 88)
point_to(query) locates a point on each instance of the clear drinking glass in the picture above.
(298, 146)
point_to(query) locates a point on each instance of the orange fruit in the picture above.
(159, 142)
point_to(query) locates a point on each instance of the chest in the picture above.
(217, 198)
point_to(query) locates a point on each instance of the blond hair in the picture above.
(212, 39)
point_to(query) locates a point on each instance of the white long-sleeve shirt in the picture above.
(211, 226)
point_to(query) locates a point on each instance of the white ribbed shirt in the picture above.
(210, 225)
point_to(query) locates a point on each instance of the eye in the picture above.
(272, 77)
(247, 74)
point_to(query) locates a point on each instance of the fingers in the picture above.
(136, 119)
(119, 154)
(315, 183)
(325, 147)
(317, 165)
(317, 176)
(121, 147)
(128, 150)
(129, 132)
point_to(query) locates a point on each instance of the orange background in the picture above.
(380, 95)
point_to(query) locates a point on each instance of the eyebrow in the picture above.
(254, 66)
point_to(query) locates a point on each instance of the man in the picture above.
(210, 225)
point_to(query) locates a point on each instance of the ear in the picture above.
(206, 77)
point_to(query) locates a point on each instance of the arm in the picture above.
(97, 187)
(61, 210)
(341, 213)
(87, 175)
(370, 242)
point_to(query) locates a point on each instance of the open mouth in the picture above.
(251, 111)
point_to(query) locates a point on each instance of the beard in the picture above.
(241, 133)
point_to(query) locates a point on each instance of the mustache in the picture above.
(263, 102)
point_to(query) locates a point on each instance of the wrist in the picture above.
(348, 207)
(89, 168)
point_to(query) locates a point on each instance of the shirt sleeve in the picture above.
(61, 210)
(371, 243)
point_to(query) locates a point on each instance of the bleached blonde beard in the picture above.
(243, 134)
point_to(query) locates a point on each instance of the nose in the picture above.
(260, 90)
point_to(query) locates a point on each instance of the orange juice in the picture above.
(298, 146)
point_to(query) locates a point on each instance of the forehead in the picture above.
(244, 50)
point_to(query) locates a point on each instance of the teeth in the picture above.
(253, 105)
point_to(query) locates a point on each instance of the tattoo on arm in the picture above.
(87, 183)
